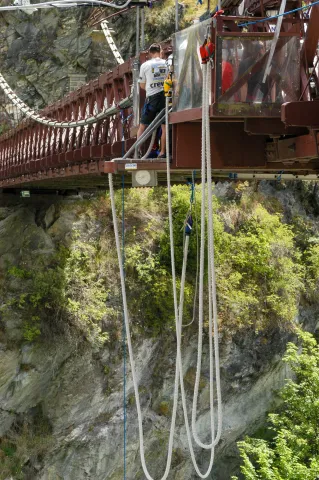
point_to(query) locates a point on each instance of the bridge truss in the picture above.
(255, 137)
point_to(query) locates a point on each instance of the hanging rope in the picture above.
(123, 333)
(212, 285)
(192, 202)
(178, 308)
(131, 355)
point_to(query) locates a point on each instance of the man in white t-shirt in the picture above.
(152, 76)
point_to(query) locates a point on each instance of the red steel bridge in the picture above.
(255, 129)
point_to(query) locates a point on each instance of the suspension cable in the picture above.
(110, 41)
(28, 112)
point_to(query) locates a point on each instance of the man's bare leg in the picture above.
(163, 140)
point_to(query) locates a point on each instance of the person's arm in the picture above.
(142, 77)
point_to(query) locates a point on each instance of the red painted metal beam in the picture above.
(301, 114)
(270, 126)
(312, 36)
(230, 146)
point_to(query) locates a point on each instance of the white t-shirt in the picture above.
(153, 73)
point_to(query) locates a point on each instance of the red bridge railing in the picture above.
(32, 147)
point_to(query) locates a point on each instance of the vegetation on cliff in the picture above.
(293, 451)
(263, 269)
(59, 283)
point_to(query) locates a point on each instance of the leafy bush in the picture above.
(85, 291)
(293, 454)
(263, 266)
(259, 271)
(149, 278)
(70, 291)
(258, 268)
(42, 297)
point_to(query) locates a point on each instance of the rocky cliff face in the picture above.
(40, 51)
(61, 398)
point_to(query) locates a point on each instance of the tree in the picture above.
(293, 454)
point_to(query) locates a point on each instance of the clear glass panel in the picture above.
(136, 94)
(187, 66)
(249, 77)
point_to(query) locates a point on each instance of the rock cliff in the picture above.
(61, 394)
(39, 53)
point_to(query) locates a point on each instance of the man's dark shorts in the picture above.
(153, 105)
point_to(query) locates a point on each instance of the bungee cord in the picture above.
(211, 285)
(178, 306)
(131, 355)
(179, 311)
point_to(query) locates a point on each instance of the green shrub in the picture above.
(263, 266)
(293, 454)
(26, 443)
(259, 272)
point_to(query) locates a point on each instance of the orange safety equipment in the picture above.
(168, 86)
(207, 51)
(219, 12)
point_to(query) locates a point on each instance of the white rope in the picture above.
(178, 310)
(110, 41)
(178, 318)
(212, 260)
(131, 356)
(211, 285)
(28, 112)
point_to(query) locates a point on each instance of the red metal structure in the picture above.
(279, 133)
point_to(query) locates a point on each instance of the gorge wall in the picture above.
(61, 357)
